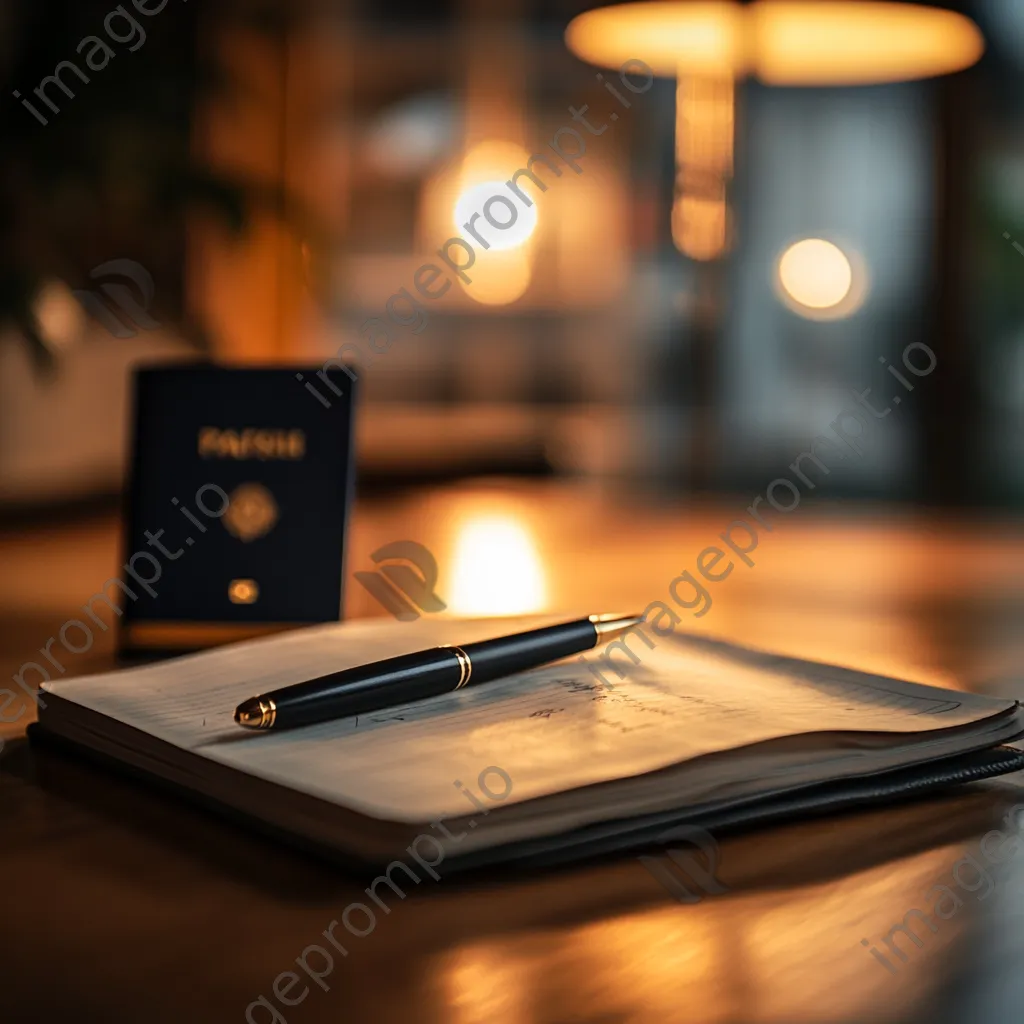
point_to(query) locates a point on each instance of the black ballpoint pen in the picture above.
(429, 673)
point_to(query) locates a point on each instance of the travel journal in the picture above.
(703, 732)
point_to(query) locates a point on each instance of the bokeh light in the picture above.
(473, 200)
(819, 280)
(782, 43)
(496, 568)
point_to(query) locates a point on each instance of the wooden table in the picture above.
(122, 905)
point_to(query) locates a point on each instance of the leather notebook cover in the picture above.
(623, 837)
(828, 798)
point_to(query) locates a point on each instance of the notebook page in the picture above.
(550, 730)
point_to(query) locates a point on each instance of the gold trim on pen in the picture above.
(465, 665)
(269, 709)
(257, 713)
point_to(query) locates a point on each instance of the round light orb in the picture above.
(505, 223)
(782, 42)
(817, 279)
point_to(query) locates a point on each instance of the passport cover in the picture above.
(239, 497)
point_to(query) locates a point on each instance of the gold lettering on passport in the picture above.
(251, 443)
(252, 512)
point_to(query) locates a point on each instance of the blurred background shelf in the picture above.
(281, 170)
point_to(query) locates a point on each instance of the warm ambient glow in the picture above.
(704, 164)
(695, 38)
(503, 278)
(860, 43)
(782, 43)
(496, 569)
(60, 317)
(474, 199)
(818, 278)
(503, 272)
(708, 45)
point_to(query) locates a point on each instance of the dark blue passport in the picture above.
(238, 503)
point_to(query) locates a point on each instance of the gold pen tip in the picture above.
(253, 714)
(612, 624)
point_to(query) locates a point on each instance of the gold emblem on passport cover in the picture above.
(253, 512)
(243, 591)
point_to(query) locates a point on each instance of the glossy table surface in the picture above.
(120, 904)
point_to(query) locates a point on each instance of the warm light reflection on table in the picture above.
(793, 956)
(496, 569)
(907, 594)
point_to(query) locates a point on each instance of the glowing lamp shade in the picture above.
(496, 569)
(860, 43)
(699, 38)
(782, 43)
(707, 46)
(819, 281)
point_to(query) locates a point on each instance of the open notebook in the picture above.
(701, 732)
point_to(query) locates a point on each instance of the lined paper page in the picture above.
(550, 729)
